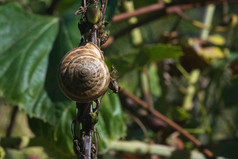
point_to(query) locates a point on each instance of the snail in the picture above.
(82, 74)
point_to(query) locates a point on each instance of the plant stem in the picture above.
(94, 38)
(175, 126)
(138, 12)
(136, 36)
(191, 89)
(137, 147)
(160, 11)
(182, 70)
(145, 85)
(84, 117)
(169, 9)
(83, 144)
(87, 134)
(104, 10)
(207, 20)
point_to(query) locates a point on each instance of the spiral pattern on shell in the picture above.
(83, 75)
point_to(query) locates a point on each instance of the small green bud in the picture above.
(94, 117)
(93, 13)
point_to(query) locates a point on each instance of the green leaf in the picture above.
(62, 45)
(30, 152)
(160, 52)
(2, 153)
(111, 125)
(178, 114)
(139, 58)
(154, 84)
(26, 40)
(58, 140)
(64, 6)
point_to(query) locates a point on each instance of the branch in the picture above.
(136, 110)
(84, 110)
(137, 147)
(104, 9)
(161, 10)
(160, 6)
(85, 120)
(175, 126)
(138, 12)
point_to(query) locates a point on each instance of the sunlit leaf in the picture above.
(211, 53)
(216, 39)
(2, 153)
(26, 41)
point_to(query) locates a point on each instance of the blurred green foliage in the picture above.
(33, 43)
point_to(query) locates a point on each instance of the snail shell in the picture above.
(83, 75)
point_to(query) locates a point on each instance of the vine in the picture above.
(91, 25)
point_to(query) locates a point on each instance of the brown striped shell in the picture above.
(82, 74)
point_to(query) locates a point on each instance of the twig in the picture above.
(94, 37)
(135, 109)
(141, 125)
(104, 10)
(128, 29)
(84, 3)
(161, 11)
(141, 11)
(160, 6)
(84, 117)
(96, 145)
(85, 121)
(197, 143)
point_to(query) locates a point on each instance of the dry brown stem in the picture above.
(157, 10)
(175, 126)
